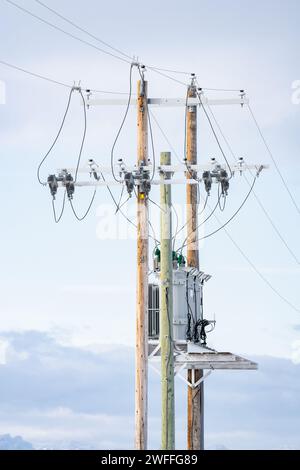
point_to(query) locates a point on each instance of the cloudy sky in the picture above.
(68, 290)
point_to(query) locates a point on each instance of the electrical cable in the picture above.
(150, 128)
(222, 208)
(254, 193)
(56, 138)
(165, 136)
(83, 30)
(88, 209)
(57, 219)
(83, 137)
(121, 126)
(56, 82)
(177, 223)
(28, 12)
(273, 160)
(229, 220)
(258, 272)
(214, 133)
(120, 199)
(198, 226)
(198, 215)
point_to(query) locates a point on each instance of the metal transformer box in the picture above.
(187, 303)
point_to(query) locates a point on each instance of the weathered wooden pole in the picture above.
(195, 412)
(141, 351)
(166, 312)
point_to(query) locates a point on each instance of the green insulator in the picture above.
(181, 260)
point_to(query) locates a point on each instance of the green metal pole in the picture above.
(166, 312)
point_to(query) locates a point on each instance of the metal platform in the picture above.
(193, 356)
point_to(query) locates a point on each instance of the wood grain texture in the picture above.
(141, 351)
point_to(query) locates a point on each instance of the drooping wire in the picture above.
(221, 207)
(88, 209)
(83, 137)
(214, 133)
(184, 244)
(229, 220)
(56, 138)
(121, 126)
(273, 159)
(83, 30)
(198, 215)
(57, 219)
(266, 213)
(234, 215)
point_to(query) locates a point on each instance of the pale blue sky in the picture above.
(63, 279)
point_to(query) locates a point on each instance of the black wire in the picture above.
(198, 215)
(152, 143)
(66, 32)
(57, 219)
(115, 202)
(273, 159)
(198, 226)
(121, 126)
(235, 213)
(214, 133)
(83, 137)
(120, 199)
(222, 208)
(150, 128)
(56, 82)
(165, 136)
(189, 312)
(83, 30)
(254, 193)
(56, 138)
(88, 209)
(233, 216)
(177, 223)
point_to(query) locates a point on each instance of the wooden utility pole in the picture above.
(195, 412)
(166, 312)
(141, 350)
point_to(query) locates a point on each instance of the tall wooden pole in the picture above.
(166, 313)
(195, 412)
(141, 351)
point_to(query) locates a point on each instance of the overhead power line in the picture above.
(56, 82)
(264, 279)
(83, 30)
(275, 228)
(285, 184)
(28, 12)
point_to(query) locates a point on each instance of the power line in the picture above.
(56, 82)
(35, 74)
(266, 281)
(165, 136)
(88, 209)
(56, 138)
(28, 12)
(83, 30)
(57, 219)
(273, 159)
(121, 126)
(253, 192)
(214, 133)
